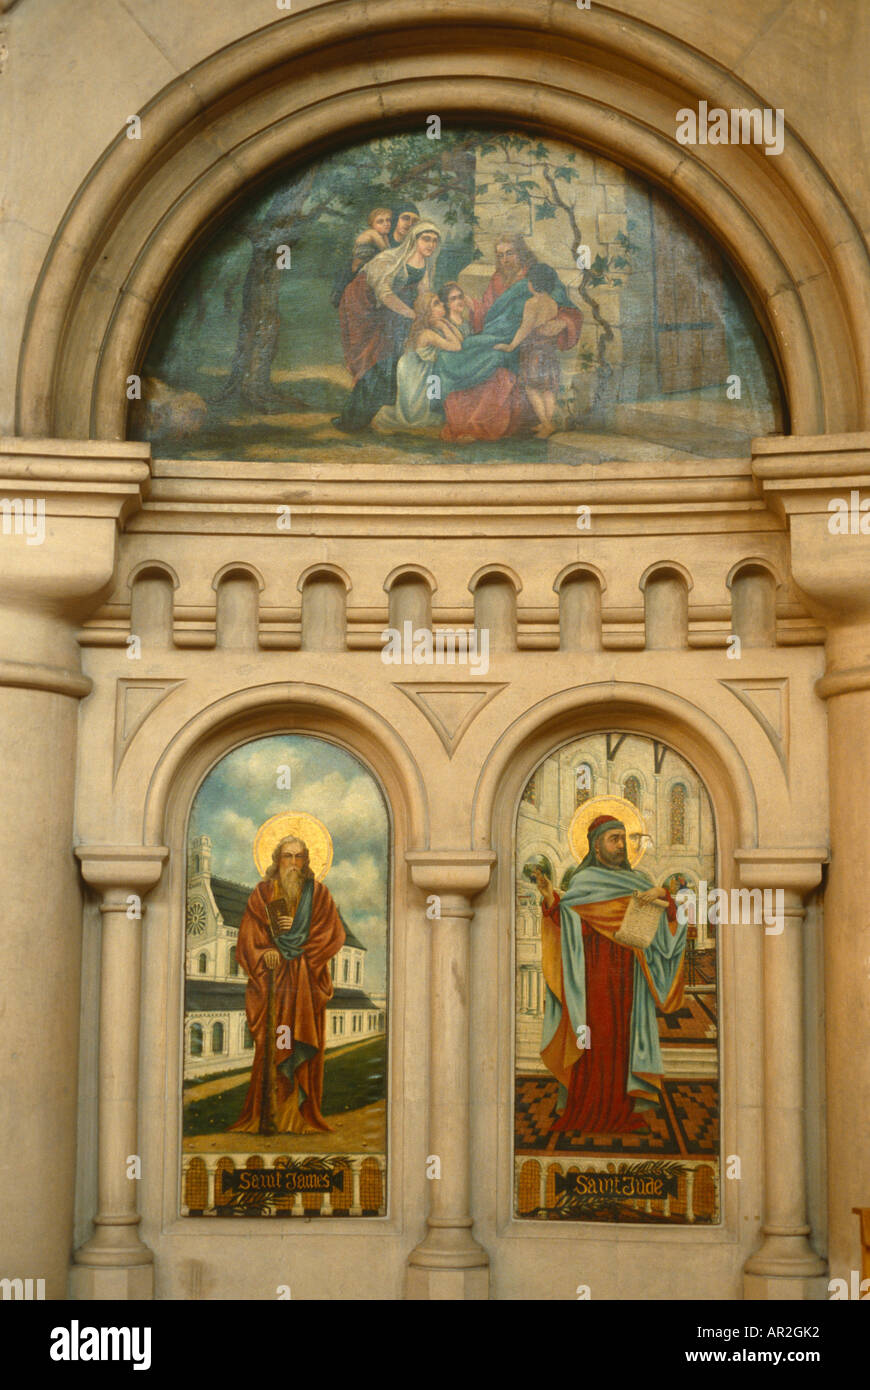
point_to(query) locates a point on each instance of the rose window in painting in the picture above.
(196, 918)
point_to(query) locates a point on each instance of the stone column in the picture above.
(819, 486)
(786, 1266)
(62, 504)
(449, 1263)
(115, 1263)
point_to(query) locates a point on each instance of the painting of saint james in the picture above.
(284, 1072)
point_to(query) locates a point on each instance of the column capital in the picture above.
(795, 870)
(115, 870)
(457, 872)
(817, 484)
(63, 502)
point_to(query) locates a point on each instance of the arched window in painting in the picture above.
(569, 1098)
(631, 790)
(329, 872)
(530, 790)
(583, 783)
(678, 814)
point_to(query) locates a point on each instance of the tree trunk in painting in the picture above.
(251, 373)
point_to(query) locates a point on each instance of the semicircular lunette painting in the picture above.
(484, 296)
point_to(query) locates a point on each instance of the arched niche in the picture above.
(646, 1011)
(304, 901)
(165, 796)
(612, 84)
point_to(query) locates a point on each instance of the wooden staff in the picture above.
(267, 1100)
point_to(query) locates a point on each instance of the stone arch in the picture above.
(262, 710)
(142, 209)
(637, 708)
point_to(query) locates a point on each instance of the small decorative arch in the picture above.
(409, 572)
(492, 574)
(152, 569)
(665, 567)
(753, 584)
(410, 589)
(324, 570)
(241, 570)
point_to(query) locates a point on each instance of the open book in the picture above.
(639, 925)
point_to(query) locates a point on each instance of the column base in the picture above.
(790, 1288)
(785, 1267)
(460, 1285)
(120, 1283)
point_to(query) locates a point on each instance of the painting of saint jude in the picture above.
(617, 1074)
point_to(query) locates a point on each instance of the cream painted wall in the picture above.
(70, 77)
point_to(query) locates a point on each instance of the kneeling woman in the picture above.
(376, 316)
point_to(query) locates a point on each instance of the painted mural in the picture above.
(616, 1115)
(285, 1004)
(478, 296)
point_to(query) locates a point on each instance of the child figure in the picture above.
(539, 366)
(452, 296)
(373, 239)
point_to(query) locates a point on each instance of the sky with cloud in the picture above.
(242, 792)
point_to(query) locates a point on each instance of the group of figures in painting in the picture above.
(406, 300)
(611, 945)
(426, 356)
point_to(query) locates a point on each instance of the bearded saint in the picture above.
(610, 990)
(310, 933)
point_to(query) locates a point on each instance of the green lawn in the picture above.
(352, 1080)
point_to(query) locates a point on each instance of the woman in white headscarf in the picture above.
(376, 316)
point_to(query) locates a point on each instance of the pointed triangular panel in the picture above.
(450, 707)
(134, 701)
(767, 701)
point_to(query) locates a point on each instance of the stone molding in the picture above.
(612, 82)
(82, 493)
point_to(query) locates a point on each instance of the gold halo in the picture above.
(307, 828)
(619, 809)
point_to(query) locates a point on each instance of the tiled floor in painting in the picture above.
(686, 1124)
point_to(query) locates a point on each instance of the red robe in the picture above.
(598, 1102)
(499, 406)
(302, 989)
